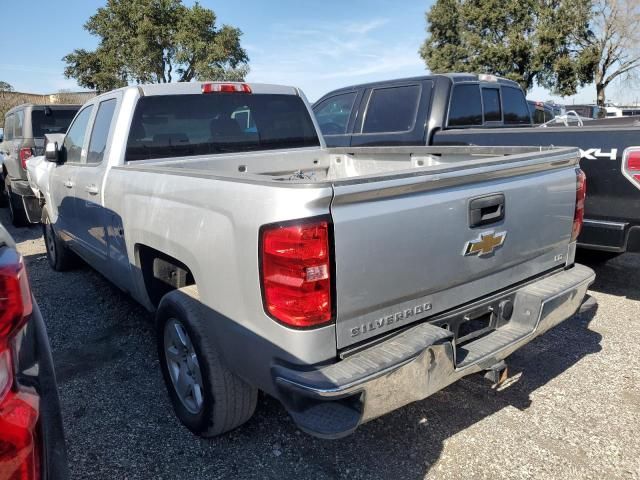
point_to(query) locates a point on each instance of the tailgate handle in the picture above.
(486, 210)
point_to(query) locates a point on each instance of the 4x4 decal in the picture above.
(595, 153)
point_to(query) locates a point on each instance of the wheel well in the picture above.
(162, 273)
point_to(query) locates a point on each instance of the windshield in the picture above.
(51, 120)
(184, 125)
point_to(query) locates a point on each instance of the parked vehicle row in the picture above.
(464, 109)
(219, 207)
(24, 129)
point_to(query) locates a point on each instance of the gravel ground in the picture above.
(572, 411)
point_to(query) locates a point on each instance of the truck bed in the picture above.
(359, 165)
(400, 216)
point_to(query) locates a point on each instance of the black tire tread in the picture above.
(65, 258)
(235, 400)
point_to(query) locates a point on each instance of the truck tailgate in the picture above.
(405, 250)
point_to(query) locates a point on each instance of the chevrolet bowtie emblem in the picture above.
(485, 244)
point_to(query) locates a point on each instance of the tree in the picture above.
(614, 42)
(5, 87)
(156, 41)
(529, 41)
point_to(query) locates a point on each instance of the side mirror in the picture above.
(52, 142)
(51, 152)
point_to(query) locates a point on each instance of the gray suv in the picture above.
(24, 129)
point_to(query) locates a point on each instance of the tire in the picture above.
(4, 199)
(16, 210)
(59, 256)
(226, 401)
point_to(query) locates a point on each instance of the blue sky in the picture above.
(316, 45)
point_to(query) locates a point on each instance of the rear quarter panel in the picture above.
(212, 227)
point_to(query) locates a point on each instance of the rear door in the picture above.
(409, 248)
(393, 115)
(90, 216)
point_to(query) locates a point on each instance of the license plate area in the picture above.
(477, 321)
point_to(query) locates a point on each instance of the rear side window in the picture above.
(466, 106)
(51, 120)
(19, 122)
(74, 140)
(516, 110)
(100, 132)
(392, 109)
(8, 127)
(491, 104)
(166, 126)
(333, 113)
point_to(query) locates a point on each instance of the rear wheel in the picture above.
(207, 397)
(16, 210)
(4, 199)
(59, 256)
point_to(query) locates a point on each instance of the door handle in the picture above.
(486, 210)
(68, 184)
(92, 189)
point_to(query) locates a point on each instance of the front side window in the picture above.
(333, 113)
(100, 132)
(466, 107)
(516, 110)
(74, 140)
(392, 109)
(491, 104)
(165, 126)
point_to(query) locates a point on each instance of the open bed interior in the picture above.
(315, 165)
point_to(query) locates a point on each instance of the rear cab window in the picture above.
(51, 120)
(165, 126)
(392, 109)
(333, 113)
(465, 109)
(516, 110)
(491, 105)
(100, 131)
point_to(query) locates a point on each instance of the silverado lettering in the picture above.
(390, 319)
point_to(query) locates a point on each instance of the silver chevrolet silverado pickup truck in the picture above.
(345, 282)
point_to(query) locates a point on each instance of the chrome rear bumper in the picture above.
(331, 401)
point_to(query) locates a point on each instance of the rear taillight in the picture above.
(19, 410)
(631, 165)
(296, 273)
(15, 295)
(25, 154)
(581, 193)
(225, 88)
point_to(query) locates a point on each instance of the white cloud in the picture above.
(332, 55)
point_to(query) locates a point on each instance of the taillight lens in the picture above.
(19, 453)
(225, 88)
(25, 154)
(19, 410)
(15, 294)
(296, 273)
(631, 165)
(581, 193)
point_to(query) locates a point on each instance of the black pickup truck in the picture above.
(466, 109)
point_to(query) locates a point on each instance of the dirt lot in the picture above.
(574, 411)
